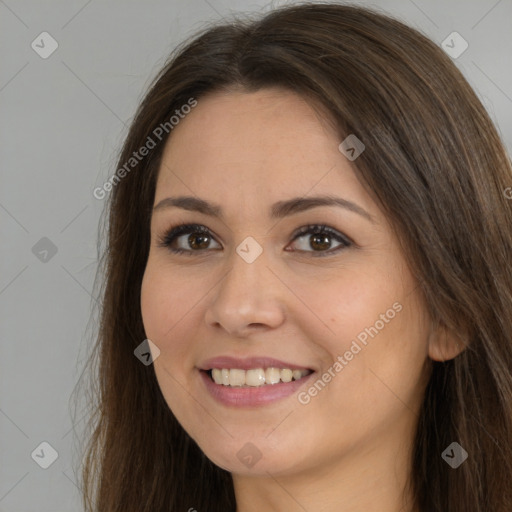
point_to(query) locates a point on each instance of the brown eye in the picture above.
(198, 240)
(319, 239)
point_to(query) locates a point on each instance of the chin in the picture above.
(256, 457)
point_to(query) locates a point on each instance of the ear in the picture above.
(444, 344)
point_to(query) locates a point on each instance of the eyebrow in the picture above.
(278, 210)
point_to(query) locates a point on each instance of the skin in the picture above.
(348, 449)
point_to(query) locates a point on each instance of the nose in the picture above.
(248, 298)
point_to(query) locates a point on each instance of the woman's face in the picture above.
(253, 300)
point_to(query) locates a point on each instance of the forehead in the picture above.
(270, 144)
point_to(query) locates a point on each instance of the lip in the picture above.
(249, 363)
(251, 396)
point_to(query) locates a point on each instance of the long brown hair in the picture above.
(435, 164)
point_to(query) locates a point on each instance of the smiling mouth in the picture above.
(255, 377)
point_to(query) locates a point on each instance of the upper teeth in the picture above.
(256, 376)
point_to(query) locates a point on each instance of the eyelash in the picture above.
(173, 233)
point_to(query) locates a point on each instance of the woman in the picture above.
(307, 300)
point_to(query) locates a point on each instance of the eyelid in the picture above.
(311, 229)
(175, 232)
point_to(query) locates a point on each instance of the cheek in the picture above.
(167, 307)
(167, 304)
(351, 302)
(369, 301)
(153, 304)
(378, 327)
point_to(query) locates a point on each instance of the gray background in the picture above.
(63, 119)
